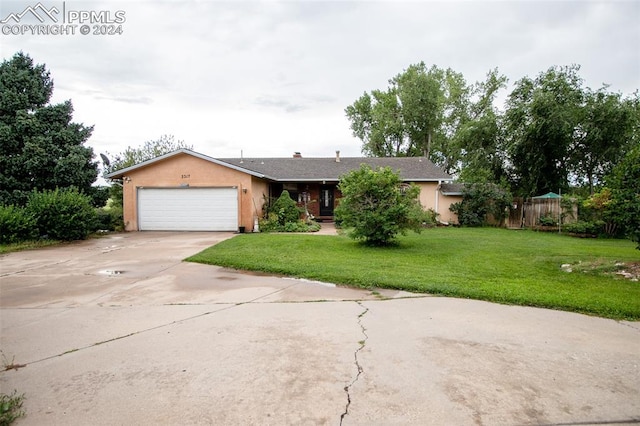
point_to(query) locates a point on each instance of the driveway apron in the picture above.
(119, 330)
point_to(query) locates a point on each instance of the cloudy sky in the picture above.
(271, 78)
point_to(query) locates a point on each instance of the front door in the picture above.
(326, 200)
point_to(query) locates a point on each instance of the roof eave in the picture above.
(334, 179)
(122, 172)
(307, 179)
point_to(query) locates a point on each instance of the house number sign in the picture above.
(185, 176)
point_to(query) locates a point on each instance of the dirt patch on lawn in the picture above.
(631, 271)
(624, 270)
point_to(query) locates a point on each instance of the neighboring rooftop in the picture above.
(452, 188)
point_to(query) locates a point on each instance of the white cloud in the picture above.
(271, 78)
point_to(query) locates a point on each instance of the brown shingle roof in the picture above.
(414, 169)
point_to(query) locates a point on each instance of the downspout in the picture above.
(240, 226)
(438, 195)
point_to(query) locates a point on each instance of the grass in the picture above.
(498, 265)
(27, 245)
(10, 365)
(10, 408)
(42, 243)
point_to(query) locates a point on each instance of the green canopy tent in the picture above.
(548, 206)
(548, 195)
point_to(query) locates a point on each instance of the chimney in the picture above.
(337, 156)
(297, 155)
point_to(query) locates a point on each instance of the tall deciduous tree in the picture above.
(624, 182)
(562, 135)
(132, 156)
(603, 136)
(541, 119)
(414, 116)
(422, 94)
(376, 119)
(480, 139)
(41, 147)
(422, 112)
(148, 151)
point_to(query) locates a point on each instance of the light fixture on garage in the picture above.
(184, 185)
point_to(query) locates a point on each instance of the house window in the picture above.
(304, 197)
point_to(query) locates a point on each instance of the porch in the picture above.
(320, 199)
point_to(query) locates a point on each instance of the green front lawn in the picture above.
(513, 267)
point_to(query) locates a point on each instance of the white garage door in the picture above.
(187, 209)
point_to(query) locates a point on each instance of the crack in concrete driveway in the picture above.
(169, 342)
(138, 332)
(359, 368)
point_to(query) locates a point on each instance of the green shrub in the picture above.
(285, 209)
(430, 218)
(272, 225)
(597, 208)
(16, 225)
(109, 219)
(376, 206)
(103, 220)
(62, 214)
(283, 215)
(480, 202)
(583, 227)
(301, 226)
(99, 195)
(548, 220)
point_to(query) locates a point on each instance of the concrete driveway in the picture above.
(119, 331)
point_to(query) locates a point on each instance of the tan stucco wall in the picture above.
(184, 169)
(260, 192)
(445, 202)
(432, 198)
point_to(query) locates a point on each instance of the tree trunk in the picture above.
(427, 150)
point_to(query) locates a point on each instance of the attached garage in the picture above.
(187, 191)
(187, 209)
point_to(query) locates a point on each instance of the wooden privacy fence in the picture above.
(516, 213)
(527, 213)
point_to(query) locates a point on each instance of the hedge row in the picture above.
(61, 214)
